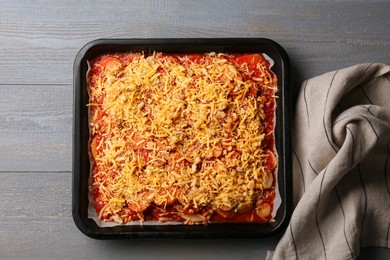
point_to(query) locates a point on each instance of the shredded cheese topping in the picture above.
(179, 137)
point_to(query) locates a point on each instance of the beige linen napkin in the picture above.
(341, 165)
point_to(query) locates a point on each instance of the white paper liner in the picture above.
(91, 205)
(278, 198)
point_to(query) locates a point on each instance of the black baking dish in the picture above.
(81, 137)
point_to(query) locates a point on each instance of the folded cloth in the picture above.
(341, 165)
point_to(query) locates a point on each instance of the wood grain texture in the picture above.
(35, 127)
(319, 36)
(38, 43)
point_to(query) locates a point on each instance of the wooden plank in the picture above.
(319, 36)
(36, 223)
(38, 43)
(35, 127)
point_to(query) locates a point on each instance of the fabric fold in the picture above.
(341, 165)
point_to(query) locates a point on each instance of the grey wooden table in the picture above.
(38, 43)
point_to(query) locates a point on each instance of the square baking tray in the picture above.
(214, 230)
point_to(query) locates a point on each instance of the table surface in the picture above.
(38, 43)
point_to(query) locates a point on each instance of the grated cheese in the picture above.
(178, 137)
